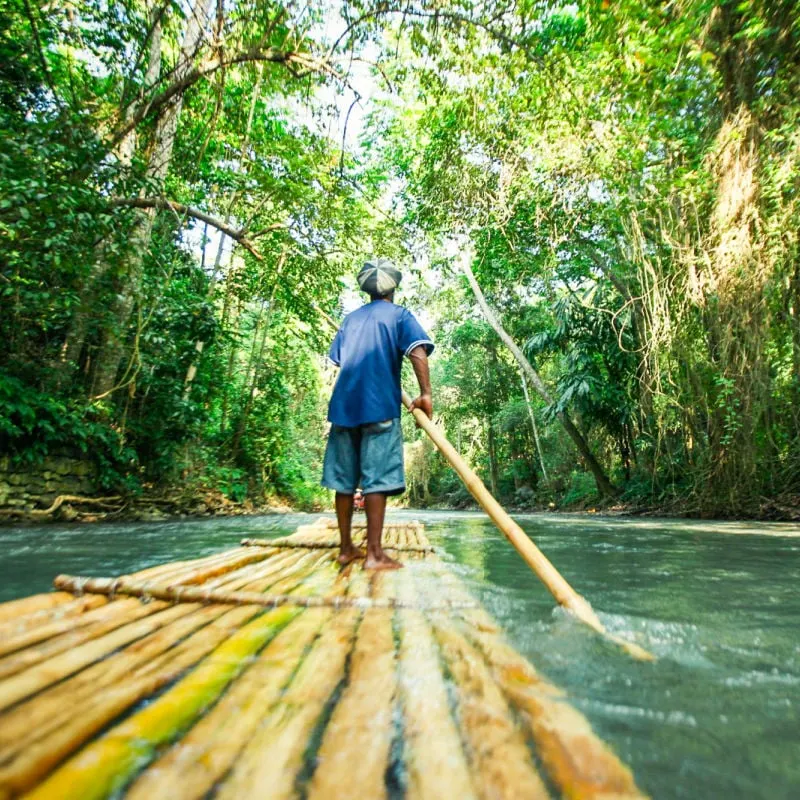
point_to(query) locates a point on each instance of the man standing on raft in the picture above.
(365, 445)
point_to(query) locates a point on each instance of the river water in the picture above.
(718, 715)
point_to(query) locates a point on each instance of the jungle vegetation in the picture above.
(596, 204)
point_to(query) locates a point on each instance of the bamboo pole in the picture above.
(284, 733)
(137, 652)
(70, 624)
(14, 609)
(361, 726)
(200, 570)
(202, 757)
(54, 669)
(190, 594)
(39, 619)
(43, 654)
(280, 566)
(577, 761)
(53, 709)
(55, 734)
(241, 557)
(175, 567)
(329, 544)
(35, 760)
(564, 594)
(435, 761)
(106, 764)
(499, 759)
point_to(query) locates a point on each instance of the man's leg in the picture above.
(344, 516)
(375, 504)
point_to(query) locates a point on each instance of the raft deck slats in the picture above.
(189, 696)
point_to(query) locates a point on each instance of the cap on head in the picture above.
(379, 276)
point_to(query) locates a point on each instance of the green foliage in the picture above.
(34, 424)
(625, 175)
(580, 491)
(165, 358)
(626, 178)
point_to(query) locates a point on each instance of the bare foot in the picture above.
(348, 556)
(381, 561)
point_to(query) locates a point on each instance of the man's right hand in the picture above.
(425, 404)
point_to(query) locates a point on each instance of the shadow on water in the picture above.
(716, 716)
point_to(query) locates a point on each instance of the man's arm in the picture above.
(419, 360)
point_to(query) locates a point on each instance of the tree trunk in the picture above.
(492, 459)
(253, 372)
(604, 485)
(126, 149)
(794, 321)
(199, 345)
(223, 423)
(256, 364)
(113, 345)
(533, 426)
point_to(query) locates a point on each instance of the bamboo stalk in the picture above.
(24, 639)
(205, 754)
(202, 757)
(54, 669)
(327, 545)
(123, 614)
(281, 565)
(361, 727)
(293, 582)
(564, 594)
(499, 759)
(53, 709)
(190, 594)
(200, 570)
(37, 759)
(422, 537)
(578, 762)
(174, 567)
(403, 540)
(238, 560)
(99, 708)
(14, 609)
(284, 733)
(46, 616)
(435, 760)
(105, 765)
(112, 758)
(104, 673)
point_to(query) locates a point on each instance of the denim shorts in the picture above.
(369, 456)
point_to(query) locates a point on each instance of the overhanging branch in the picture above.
(300, 64)
(237, 234)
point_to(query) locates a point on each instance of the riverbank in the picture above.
(199, 503)
(785, 508)
(150, 507)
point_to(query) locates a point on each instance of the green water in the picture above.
(717, 716)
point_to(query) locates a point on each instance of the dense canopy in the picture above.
(595, 205)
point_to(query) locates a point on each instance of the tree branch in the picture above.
(179, 86)
(237, 234)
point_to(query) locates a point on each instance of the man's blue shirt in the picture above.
(369, 349)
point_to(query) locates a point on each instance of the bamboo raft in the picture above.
(267, 671)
